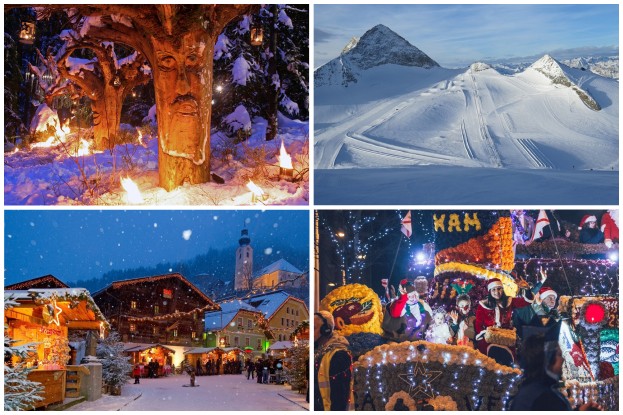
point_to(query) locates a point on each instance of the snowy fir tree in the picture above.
(249, 78)
(20, 394)
(116, 367)
(299, 364)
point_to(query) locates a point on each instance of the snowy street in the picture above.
(224, 392)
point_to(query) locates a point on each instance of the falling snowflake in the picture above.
(155, 225)
(268, 251)
(186, 234)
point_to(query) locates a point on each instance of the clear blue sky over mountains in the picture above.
(458, 35)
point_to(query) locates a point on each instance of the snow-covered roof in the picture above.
(70, 304)
(280, 265)
(139, 347)
(281, 345)
(217, 320)
(270, 303)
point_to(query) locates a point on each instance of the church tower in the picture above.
(244, 263)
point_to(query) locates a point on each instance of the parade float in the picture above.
(471, 248)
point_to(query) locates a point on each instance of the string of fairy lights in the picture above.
(353, 239)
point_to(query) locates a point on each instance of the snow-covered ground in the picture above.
(449, 185)
(224, 392)
(51, 176)
(470, 136)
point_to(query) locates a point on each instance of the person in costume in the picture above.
(496, 311)
(438, 331)
(589, 232)
(541, 313)
(610, 227)
(333, 378)
(407, 316)
(462, 322)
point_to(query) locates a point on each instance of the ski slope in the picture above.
(472, 118)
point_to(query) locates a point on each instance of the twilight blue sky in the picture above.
(83, 244)
(458, 35)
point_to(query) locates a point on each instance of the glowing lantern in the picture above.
(134, 195)
(595, 313)
(27, 33)
(257, 34)
(285, 163)
(257, 194)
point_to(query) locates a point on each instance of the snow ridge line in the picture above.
(494, 156)
(469, 150)
(406, 152)
(537, 155)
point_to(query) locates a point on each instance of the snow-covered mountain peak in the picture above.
(479, 66)
(378, 46)
(548, 66)
(559, 75)
(381, 45)
(351, 44)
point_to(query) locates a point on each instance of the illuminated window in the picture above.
(155, 330)
(193, 334)
(174, 332)
(132, 327)
(133, 305)
(156, 309)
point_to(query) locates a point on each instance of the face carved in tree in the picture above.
(182, 70)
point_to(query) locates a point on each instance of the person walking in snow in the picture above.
(136, 372)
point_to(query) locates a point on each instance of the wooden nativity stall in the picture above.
(44, 317)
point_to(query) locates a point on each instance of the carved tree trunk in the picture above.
(184, 108)
(107, 117)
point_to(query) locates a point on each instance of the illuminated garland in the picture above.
(605, 392)
(353, 257)
(510, 288)
(175, 315)
(476, 381)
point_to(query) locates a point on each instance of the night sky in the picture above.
(74, 245)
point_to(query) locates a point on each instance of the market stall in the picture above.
(147, 355)
(44, 318)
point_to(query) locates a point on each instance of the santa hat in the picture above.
(587, 218)
(494, 282)
(547, 291)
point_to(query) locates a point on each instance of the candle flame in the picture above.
(134, 195)
(257, 191)
(50, 142)
(83, 149)
(140, 137)
(285, 161)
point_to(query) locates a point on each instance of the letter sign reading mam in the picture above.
(166, 293)
(454, 223)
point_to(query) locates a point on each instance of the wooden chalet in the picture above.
(45, 316)
(164, 309)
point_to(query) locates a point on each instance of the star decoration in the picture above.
(55, 312)
(419, 380)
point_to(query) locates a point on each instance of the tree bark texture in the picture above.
(178, 41)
